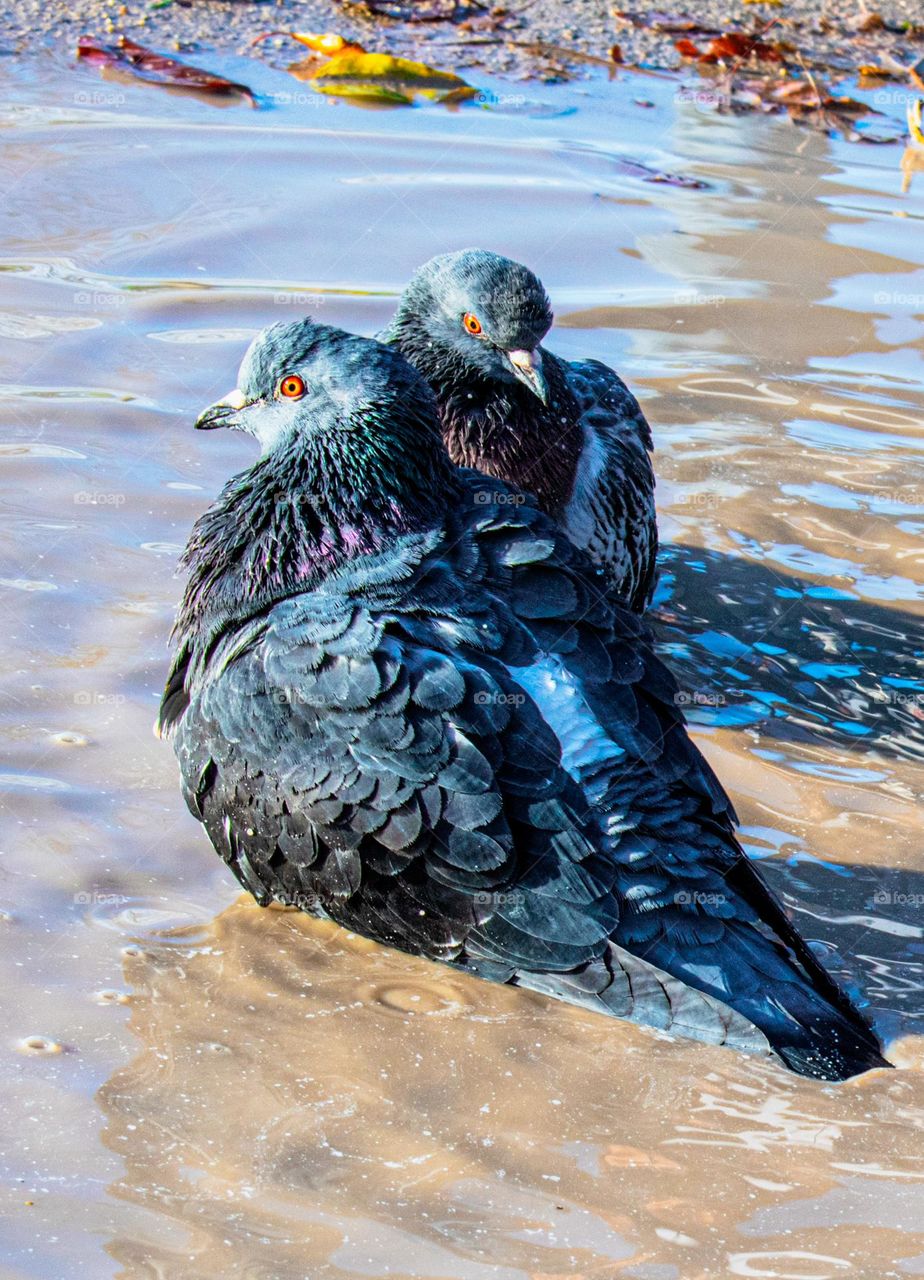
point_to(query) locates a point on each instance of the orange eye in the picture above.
(292, 387)
(472, 323)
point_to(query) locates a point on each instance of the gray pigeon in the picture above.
(571, 433)
(400, 700)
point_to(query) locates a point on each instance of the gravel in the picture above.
(503, 40)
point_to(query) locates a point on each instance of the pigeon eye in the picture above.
(292, 387)
(472, 323)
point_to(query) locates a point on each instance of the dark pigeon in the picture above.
(571, 433)
(400, 700)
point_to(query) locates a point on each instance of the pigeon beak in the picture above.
(527, 366)
(222, 412)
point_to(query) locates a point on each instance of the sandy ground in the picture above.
(839, 34)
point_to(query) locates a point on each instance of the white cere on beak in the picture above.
(526, 361)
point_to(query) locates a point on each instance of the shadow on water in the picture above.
(866, 922)
(756, 648)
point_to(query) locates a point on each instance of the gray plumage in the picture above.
(411, 709)
(569, 432)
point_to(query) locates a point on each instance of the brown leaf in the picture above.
(847, 107)
(155, 68)
(687, 49)
(733, 45)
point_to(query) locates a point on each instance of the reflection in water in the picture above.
(307, 1104)
(279, 1100)
(754, 646)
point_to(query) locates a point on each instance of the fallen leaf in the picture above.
(870, 71)
(848, 108)
(799, 92)
(327, 43)
(807, 102)
(382, 78)
(735, 45)
(731, 46)
(669, 23)
(155, 68)
(544, 49)
(687, 49)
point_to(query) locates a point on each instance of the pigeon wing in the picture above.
(611, 514)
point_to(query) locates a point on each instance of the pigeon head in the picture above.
(309, 386)
(477, 310)
(352, 458)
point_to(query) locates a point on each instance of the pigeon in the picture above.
(402, 700)
(571, 433)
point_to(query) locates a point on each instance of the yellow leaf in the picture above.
(327, 42)
(873, 72)
(381, 77)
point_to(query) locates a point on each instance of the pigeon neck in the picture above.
(295, 517)
(502, 429)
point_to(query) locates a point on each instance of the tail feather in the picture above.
(623, 986)
(810, 1024)
(788, 1019)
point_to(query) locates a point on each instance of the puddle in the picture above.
(197, 1089)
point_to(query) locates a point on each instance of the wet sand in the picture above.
(502, 38)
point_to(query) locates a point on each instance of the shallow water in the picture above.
(196, 1088)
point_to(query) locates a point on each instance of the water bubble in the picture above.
(68, 738)
(39, 1046)
(111, 997)
(440, 999)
